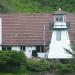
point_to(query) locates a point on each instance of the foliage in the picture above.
(64, 68)
(12, 74)
(38, 65)
(11, 61)
(36, 5)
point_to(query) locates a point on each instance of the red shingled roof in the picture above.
(27, 29)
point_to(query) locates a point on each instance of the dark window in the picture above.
(34, 53)
(23, 48)
(59, 18)
(38, 48)
(42, 48)
(8, 48)
(58, 35)
(3, 47)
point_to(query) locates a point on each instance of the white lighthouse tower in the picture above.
(60, 38)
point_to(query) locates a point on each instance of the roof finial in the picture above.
(59, 8)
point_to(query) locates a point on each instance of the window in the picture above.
(8, 48)
(40, 48)
(58, 35)
(59, 18)
(23, 48)
(3, 47)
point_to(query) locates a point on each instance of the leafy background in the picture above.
(36, 6)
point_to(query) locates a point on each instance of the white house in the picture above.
(42, 32)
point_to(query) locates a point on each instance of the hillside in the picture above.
(36, 6)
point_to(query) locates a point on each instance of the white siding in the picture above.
(29, 50)
(17, 48)
(42, 55)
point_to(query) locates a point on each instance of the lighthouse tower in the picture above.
(60, 38)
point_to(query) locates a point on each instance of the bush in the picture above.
(11, 61)
(38, 65)
(64, 68)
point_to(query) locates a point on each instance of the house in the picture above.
(30, 31)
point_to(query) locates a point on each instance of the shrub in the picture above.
(64, 68)
(38, 65)
(11, 61)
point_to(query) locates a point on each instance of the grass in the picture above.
(12, 74)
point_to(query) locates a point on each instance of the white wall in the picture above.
(42, 55)
(17, 48)
(29, 50)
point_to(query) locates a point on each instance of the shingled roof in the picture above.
(59, 11)
(27, 29)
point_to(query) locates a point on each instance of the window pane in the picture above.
(22, 48)
(59, 18)
(58, 35)
(3, 47)
(38, 48)
(8, 48)
(42, 48)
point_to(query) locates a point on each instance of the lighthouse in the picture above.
(60, 37)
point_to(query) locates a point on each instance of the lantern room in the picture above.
(59, 21)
